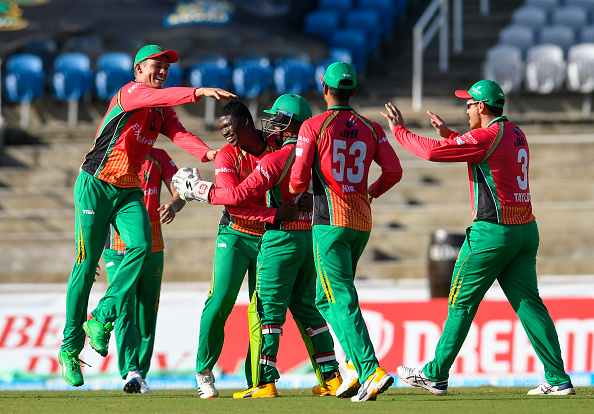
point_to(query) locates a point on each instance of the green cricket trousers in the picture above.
(97, 205)
(235, 254)
(135, 328)
(506, 253)
(287, 280)
(337, 251)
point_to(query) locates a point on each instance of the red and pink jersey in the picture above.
(340, 145)
(156, 167)
(498, 163)
(232, 166)
(271, 178)
(135, 118)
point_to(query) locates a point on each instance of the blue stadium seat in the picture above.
(175, 77)
(292, 76)
(369, 21)
(355, 41)
(389, 10)
(321, 23)
(25, 78)
(71, 81)
(24, 81)
(71, 77)
(251, 78)
(114, 70)
(211, 73)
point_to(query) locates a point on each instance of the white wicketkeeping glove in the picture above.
(189, 186)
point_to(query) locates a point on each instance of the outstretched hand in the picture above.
(439, 125)
(215, 93)
(393, 116)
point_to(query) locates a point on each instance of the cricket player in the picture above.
(339, 147)
(286, 273)
(135, 327)
(502, 242)
(240, 231)
(107, 192)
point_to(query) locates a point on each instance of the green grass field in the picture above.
(403, 400)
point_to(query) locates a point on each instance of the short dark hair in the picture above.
(494, 110)
(236, 109)
(341, 95)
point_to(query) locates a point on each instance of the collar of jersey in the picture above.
(289, 141)
(499, 118)
(340, 108)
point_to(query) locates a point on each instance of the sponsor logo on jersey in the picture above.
(137, 131)
(263, 172)
(348, 188)
(88, 211)
(131, 88)
(350, 123)
(382, 139)
(299, 152)
(151, 191)
(224, 170)
(460, 141)
(224, 245)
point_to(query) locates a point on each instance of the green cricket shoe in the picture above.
(98, 335)
(71, 367)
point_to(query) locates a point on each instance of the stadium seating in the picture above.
(545, 69)
(530, 16)
(176, 76)
(24, 81)
(321, 23)
(519, 36)
(560, 35)
(71, 81)
(44, 47)
(213, 72)
(545, 4)
(573, 16)
(367, 20)
(504, 65)
(355, 41)
(580, 73)
(114, 70)
(292, 76)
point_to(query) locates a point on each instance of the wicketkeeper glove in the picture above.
(190, 187)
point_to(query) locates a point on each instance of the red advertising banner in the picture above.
(405, 333)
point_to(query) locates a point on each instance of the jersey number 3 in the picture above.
(356, 155)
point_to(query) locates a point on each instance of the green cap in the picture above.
(152, 51)
(340, 75)
(294, 106)
(486, 91)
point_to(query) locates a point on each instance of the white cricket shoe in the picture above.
(350, 385)
(205, 381)
(144, 388)
(547, 389)
(132, 382)
(374, 385)
(416, 377)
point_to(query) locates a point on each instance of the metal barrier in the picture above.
(436, 16)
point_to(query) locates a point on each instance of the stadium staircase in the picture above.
(38, 168)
